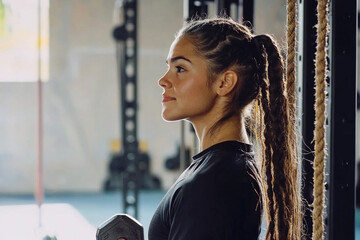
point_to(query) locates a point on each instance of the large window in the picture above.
(24, 40)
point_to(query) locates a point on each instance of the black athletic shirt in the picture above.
(216, 197)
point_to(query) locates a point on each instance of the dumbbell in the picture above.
(120, 227)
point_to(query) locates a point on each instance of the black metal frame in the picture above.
(343, 119)
(308, 19)
(126, 36)
(199, 8)
(195, 8)
(339, 215)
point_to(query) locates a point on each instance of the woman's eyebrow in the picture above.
(177, 58)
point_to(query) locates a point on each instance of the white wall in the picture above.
(81, 110)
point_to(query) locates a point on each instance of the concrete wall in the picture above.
(81, 110)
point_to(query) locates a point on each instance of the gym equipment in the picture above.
(117, 169)
(174, 162)
(120, 227)
(125, 35)
(340, 118)
(200, 8)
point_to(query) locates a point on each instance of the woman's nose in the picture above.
(164, 81)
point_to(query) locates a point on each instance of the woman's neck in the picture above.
(233, 129)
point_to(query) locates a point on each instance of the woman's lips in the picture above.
(167, 99)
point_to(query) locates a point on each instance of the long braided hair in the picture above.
(226, 44)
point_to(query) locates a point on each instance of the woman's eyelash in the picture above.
(180, 69)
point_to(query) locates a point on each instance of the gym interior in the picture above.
(69, 123)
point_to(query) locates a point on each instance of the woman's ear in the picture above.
(226, 83)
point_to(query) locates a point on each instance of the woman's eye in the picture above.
(180, 69)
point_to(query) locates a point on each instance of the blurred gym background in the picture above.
(82, 111)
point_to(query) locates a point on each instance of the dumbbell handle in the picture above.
(120, 227)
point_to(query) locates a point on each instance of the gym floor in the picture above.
(75, 216)
(67, 216)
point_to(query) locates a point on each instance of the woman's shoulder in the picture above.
(230, 156)
(225, 148)
(224, 166)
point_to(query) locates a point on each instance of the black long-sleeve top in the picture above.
(217, 197)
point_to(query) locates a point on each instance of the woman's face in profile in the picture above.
(186, 91)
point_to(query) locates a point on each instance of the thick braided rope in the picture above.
(319, 135)
(291, 93)
(291, 53)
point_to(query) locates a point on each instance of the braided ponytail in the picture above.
(279, 160)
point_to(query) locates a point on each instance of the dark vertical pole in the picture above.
(195, 9)
(199, 8)
(126, 36)
(223, 7)
(248, 11)
(129, 123)
(343, 119)
(308, 19)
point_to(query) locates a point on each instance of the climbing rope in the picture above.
(290, 91)
(319, 134)
(291, 52)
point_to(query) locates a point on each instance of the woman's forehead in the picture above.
(181, 46)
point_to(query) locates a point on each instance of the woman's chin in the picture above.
(169, 118)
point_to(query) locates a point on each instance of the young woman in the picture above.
(226, 81)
